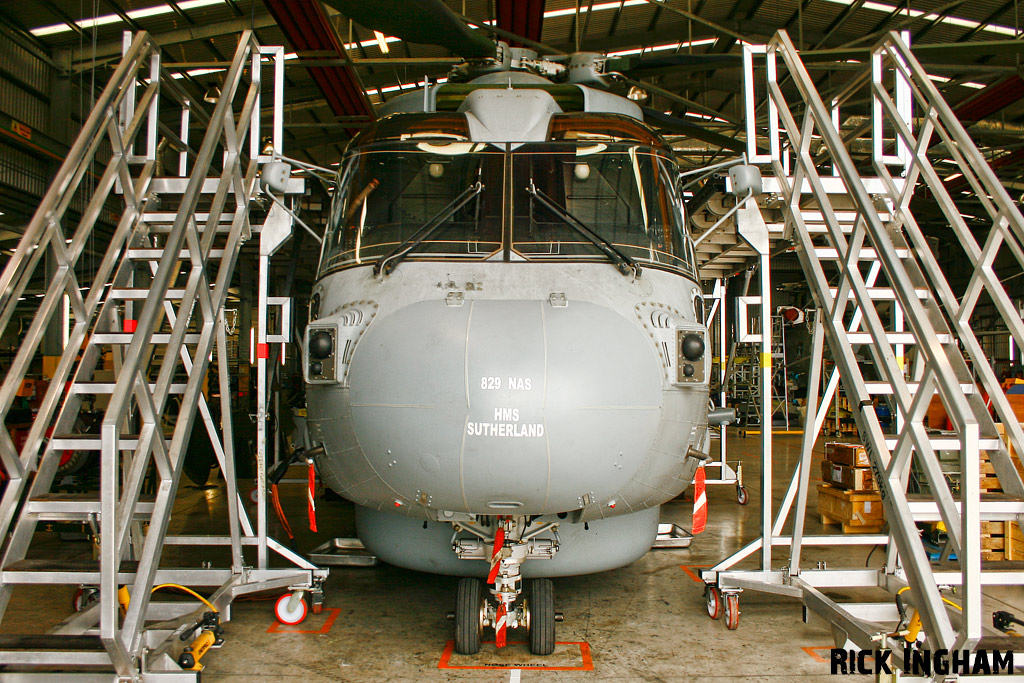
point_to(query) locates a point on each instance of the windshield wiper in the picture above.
(395, 256)
(625, 264)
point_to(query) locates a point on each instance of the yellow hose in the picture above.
(187, 590)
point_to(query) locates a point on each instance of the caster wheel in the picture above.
(713, 598)
(253, 496)
(287, 613)
(732, 611)
(469, 616)
(84, 597)
(541, 603)
(742, 497)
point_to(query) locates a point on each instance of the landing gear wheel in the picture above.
(732, 611)
(713, 598)
(469, 617)
(288, 614)
(541, 602)
(742, 497)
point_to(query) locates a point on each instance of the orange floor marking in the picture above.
(587, 663)
(332, 616)
(813, 652)
(687, 567)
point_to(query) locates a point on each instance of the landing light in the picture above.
(693, 346)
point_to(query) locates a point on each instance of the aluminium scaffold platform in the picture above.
(878, 290)
(154, 306)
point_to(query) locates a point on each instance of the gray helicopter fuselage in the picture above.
(460, 389)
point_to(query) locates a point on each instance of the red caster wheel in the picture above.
(713, 598)
(742, 497)
(290, 609)
(84, 596)
(732, 611)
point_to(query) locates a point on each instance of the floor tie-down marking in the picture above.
(329, 616)
(688, 568)
(568, 656)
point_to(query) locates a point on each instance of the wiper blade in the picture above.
(395, 256)
(625, 264)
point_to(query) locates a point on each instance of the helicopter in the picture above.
(506, 357)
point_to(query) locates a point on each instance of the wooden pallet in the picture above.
(826, 520)
(1001, 541)
(856, 511)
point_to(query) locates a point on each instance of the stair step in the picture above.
(993, 573)
(952, 443)
(108, 388)
(994, 507)
(866, 253)
(126, 338)
(157, 254)
(57, 573)
(90, 442)
(881, 293)
(69, 572)
(885, 389)
(152, 217)
(137, 293)
(50, 649)
(905, 338)
(75, 507)
(175, 185)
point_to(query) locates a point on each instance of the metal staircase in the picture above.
(880, 293)
(153, 305)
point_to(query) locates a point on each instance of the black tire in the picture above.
(468, 624)
(541, 601)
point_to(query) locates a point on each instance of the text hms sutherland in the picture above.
(506, 425)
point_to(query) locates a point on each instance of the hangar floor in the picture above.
(642, 622)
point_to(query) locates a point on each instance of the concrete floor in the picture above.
(645, 622)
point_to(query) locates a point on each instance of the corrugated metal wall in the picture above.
(26, 81)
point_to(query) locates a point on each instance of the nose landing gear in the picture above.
(535, 612)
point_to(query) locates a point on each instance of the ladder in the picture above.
(878, 288)
(153, 307)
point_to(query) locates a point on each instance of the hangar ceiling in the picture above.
(684, 54)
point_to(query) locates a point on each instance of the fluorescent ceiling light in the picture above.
(106, 19)
(929, 16)
(381, 42)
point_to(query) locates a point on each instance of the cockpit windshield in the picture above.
(622, 192)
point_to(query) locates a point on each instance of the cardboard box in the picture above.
(846, 477)
(855, 511)
(849, 454)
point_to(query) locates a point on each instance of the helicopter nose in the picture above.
(505, 407)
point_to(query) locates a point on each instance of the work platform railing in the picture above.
(152, 311)
(884, 296)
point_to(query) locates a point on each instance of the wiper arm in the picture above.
(625, 264)
(395, 256)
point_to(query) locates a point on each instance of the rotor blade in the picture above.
(417, 21)
(693, 130)
(638, 66)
